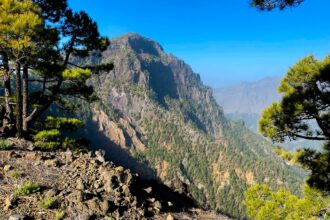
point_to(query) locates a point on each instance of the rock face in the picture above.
(85, 186)
(142, 66)
(157, 118)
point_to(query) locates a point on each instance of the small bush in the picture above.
(47, 135)
(16, 174)
(68, 124)
(47, 203)
(27, 189)
(59, 215)
(76, 145)
(47, 139)
(51, 145)
(5, 145)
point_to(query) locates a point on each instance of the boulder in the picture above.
(80, 184)
(169, 217)
(7, 167)
(100, 155)
(18, 217)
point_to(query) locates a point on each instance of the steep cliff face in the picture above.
(142, 66)
(156, 117)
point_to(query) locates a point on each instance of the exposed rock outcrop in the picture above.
(82, 186)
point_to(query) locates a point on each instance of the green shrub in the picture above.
(27, 189)
(59, 215)
(5, 145)
(47, 203)
(51, 139)
(68, 124)
(47, 135)
(16, 174)
(51, 145)
(47, 139)
(76, 145)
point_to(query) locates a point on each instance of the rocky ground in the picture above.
(83, 186)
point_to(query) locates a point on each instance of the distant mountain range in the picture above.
(155, 117)
(248, 97)
(245, 102)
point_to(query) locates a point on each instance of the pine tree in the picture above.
(45, 36)
(19, 23)
(271, 4)
(306, 99)
(263, 204)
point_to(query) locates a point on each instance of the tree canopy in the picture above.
(304, 112)
(19, 24)
(38, 41)
(271, 4)
(264, 204)
(306, 99)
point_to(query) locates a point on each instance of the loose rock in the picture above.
(18, 217)
(7, 167)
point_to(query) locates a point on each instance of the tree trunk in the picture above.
(7, 89)
(18, 102)
(25, 99)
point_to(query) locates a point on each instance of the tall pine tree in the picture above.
(51, 36)
(19, 24)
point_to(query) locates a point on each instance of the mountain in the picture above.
(155, 117)
(248, 97)
(245, 102)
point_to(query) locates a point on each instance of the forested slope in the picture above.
(157, 118)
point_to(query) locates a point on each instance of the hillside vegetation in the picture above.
(157, 118)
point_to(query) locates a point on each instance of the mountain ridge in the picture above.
(245, 102)
(156, 117)
(249, 97)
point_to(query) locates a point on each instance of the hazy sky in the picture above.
(226, 41)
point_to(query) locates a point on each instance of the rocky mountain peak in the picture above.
(139, 44)
(142, 65)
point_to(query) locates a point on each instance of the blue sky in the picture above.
(226, 41)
